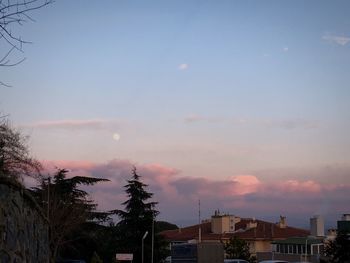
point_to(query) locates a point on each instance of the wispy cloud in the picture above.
(247, 194)
(194, 118)
(288, 124)
(340, 40)
(74, 124)
(199, 118)
(183, 66)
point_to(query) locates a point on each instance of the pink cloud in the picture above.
(162, 177)
(74, 124)
(178, 195)
(246, 184)
(298, 186)
(159, 169)
(73, 165)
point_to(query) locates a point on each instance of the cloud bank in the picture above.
(246, 195)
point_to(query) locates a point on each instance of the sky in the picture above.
(241, 104)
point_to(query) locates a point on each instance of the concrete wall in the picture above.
(23, 227)
(259, 246)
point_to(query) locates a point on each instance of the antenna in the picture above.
(199, 222)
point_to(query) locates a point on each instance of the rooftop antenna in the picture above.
(199, 222)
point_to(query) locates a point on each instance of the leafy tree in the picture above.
(15, 159)
(237, 248)
(68, 209)
(338, 251)
(138, 217)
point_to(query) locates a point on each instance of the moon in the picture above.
(116, 136)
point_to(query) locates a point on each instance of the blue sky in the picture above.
(213, 89)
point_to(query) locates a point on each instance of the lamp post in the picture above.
(143, 238)
(152, 237)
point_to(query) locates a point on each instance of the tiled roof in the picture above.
(264, 230)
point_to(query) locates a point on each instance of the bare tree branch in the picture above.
(15, 13)
(5, 62)
(15, 159)
(5, 85)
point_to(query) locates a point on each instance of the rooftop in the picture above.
(263, 230)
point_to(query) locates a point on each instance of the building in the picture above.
(343, 225)
(303, 249)
(317, 226)
(223, 223)
(257, 233)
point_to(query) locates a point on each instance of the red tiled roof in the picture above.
(264, 230)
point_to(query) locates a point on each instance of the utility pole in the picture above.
(48, 197)
(199, 222)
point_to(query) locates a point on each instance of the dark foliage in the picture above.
(237, 248)
(69, 210)
(138, 217)
(338, 251)
(163, 226)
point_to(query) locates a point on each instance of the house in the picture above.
(258, 234)
(303, 249)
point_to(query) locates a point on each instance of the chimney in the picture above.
(317, 226)
(283, 222)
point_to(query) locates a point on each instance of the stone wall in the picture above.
(23, 226)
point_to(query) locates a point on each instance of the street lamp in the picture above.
(143, 238)
(152, 237)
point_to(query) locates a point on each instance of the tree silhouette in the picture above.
(15, 159)
(138, 217)
(68, 209)
(338, 250)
